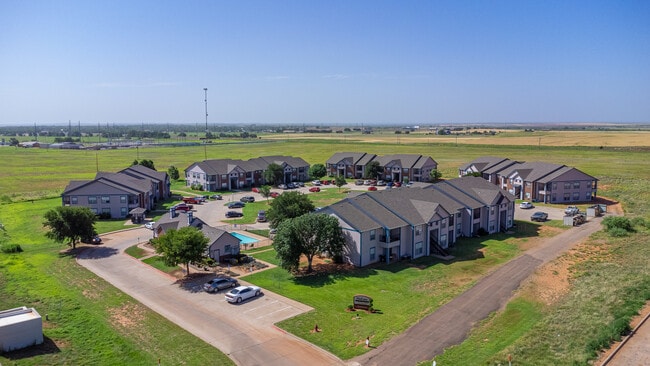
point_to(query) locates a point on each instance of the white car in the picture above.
(149, 225)
(526, 205)
(316, 182)
(242, 293)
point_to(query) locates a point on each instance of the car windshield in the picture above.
(234, 292)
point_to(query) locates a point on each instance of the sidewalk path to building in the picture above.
(245, 332)
(451, 324)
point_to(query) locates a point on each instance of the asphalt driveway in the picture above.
(245, 332)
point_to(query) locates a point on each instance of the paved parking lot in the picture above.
(243, 331)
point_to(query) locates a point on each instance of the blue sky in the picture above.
(324, 62)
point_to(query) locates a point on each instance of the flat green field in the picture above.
(88, 324)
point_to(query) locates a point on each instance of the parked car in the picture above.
(372, 188)
(200, 199)
(272, 233)
(539, 216)
(236, 204)
(291, 185)
(231, 214)
(358, 182)
(255, 189)
(216, 197)
(94, 240)
(316, 182)
(366, 182)
(149, 225)
(193, 200)
(299, 184)
(397, 184)
(247, 199)
(220, 283)
(381, 183)
(183, 207)
(261, 216)
(274, 194)
(526, 205)
(314, 189)
(282, 186)
(242, 293)
(325, 182)
(572, 210)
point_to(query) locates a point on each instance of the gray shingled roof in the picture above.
(566, 174)
(351, 157)
(532, 171)
(352, 215)
(144, 172)
(483, 162)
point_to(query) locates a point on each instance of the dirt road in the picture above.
(451, 324)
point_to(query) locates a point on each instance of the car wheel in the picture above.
(257, 293)
(238, 300)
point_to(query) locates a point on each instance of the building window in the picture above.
(576, 196)
(418, 231)
(588, 196)
(492, 226)
(106, 210)
(122, 199)
(553, 197)
(373, 234)
(528, 195)
(94, 210)
(73, 200)
(227, 249)
(123, 211)
(459, 229)
(92, 200)
(106, 199)
(418, 249)
(567, 185)
(554, 186)
(567, 196)
(576, 185)
(372, 254)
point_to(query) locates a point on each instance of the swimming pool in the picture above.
(244, 239)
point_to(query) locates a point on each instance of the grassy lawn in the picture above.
(403, 293)
(157, 263)
(136, 252)
(604, 289)
(90, 321)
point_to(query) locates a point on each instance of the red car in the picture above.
(397, 184)
(274, 194)
(372, 188)
(256, 190)
(314, 189)
(325, 182)
(183, 207)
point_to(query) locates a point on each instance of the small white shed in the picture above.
(19, 328)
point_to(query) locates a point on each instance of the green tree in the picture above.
(70, 224)
(148, 163)
(435, 175)
(265, 191)
(317, 171)
(273, 174)
(307, 235)
(173, 173)
(288, 205)
(180, 246)
(13, 141)
(373, 170)
(339, 181)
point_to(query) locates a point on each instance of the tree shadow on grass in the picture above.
(47, 347)
(465, 249)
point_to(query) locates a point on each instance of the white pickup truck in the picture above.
(571, 210)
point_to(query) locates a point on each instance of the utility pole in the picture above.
(206, 109)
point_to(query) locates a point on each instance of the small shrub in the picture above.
(618, 232)
(638, 222)
(617, 222)
(11, 248)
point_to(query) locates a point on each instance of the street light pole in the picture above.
(206, 109)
